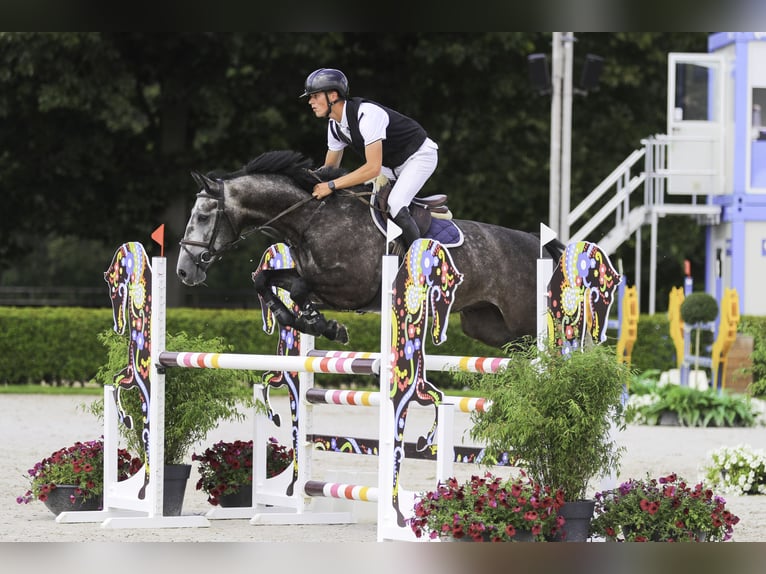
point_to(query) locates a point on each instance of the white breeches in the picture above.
(411, 175)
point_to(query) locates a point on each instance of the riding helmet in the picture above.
(324, 80)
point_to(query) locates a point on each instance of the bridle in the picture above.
(209, 253)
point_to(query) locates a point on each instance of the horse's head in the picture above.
(442, 281)
(209, 232)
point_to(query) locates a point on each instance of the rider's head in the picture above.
(326, 80)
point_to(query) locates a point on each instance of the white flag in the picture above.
(546, 236)
(392, 231)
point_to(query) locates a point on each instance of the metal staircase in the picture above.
(615, 197)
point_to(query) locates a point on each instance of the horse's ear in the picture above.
(204, 182)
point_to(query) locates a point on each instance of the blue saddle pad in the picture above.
(442, 230)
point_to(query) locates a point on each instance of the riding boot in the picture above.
(410, 229)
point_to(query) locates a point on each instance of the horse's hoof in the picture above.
(275, 419)
(336, 332)
(422, 444)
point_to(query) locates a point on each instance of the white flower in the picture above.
(736, 470)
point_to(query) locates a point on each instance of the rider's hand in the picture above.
(321, 190)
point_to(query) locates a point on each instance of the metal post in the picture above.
(554, 217)
(566, 136)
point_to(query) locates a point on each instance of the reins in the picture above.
(210, 253)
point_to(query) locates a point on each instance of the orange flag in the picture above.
(159, 237)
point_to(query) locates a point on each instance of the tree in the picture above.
(99, 131)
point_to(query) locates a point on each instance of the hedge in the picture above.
(59, 345)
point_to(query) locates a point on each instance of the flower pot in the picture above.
(176, 477)
(60, 500)
(578, 515)
(242, 498)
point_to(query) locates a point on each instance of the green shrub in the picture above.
(699, 308)
(756, 327)
(60, 345)
(653, 348)
(649, 400)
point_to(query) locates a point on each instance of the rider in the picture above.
(390, 143)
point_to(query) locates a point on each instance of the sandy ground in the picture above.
(34, 426)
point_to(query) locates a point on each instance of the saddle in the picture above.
(431, 213)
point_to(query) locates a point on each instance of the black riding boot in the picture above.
(410, 230)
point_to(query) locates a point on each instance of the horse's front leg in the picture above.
(309, 319)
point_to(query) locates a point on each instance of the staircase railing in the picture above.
(614, 197)
(631, 211)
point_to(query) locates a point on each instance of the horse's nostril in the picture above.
(181, 273)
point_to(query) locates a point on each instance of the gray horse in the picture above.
(337, 251)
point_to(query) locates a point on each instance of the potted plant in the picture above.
(488, 509)
(196, 400)
(737, 470)
(226, 470)
(698, 311)
(667, 509)
(72, 478)
(555, 413)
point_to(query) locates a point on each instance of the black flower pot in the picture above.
(176, 477)
(578, 515)
(60, 500)
(242, 498)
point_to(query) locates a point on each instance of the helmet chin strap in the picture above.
(329, 104)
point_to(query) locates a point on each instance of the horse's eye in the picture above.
(203, 217)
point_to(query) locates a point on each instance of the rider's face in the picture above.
(319, 104)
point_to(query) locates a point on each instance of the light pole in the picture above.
(561, 133)
(558, 83)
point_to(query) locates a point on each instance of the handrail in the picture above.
(604, 186)
(653, 176)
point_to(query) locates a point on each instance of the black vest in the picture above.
(403, 135)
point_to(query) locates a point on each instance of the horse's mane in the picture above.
(285, 162)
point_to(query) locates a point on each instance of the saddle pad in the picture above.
(442, 230)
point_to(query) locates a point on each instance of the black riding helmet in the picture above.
(324, 80)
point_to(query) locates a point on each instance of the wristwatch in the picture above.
(331, 185)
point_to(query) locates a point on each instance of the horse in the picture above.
(337, 250)
(129, 280)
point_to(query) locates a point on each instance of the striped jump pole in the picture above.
(340, 490)
(372, 399)
(338, 397)
(432, 362)
(249, 362)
